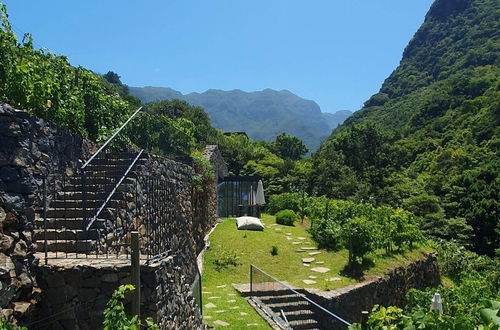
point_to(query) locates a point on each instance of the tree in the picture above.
(289, 147)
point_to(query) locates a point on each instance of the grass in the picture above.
(251, 247)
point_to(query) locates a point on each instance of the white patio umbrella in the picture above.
(259, 199)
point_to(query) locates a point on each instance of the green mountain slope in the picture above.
(262, 115)
(429, 140)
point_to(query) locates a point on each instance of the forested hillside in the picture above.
(262, 115)
(429, 141)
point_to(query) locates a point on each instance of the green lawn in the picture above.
(254, 247)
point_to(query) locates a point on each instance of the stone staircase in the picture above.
(298, 312)
(73, 199)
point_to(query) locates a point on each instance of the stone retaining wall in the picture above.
(349, 302)
(30, 148)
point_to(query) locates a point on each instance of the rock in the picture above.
(307, 260)
(309, 248)
(21, 307)
(306, 265)
(210, 305)
(20, 249)
(314, 253)
(319, 262)
(10, 220)
(5, 242)
(110, 278)
(313, 277)
(309, 282)
(320, 269)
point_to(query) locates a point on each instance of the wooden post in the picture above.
(136, 274)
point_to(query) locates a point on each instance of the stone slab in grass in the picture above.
(234, 307)
(306, 265)
(299, 250)
(296, 243)
(210, 305)
(221, 323)
(243, 313)
(220, 286)
(313, 277)
(301, 238)
(277, 229)
(320, 262)
(320, 269)
(214, 297)
(333, 279)
(288, 238)
(206, 292)
(309, 282)
(231, 294)
(314, 253)
(288, 234)
(309, 248)
(220, 311)
(252, 325)
(307, 260)
(206, 317)
(231, 301)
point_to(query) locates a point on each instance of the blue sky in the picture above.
(334, 52)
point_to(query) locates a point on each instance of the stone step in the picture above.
(91, 187)
(71, 203)
(76, 213)
(301, 314)
(72, 224)
(118, 169)
(69, 246)
(66, 234)
(304, 324)
(279, 298)
(117, 161)
(101, 180)
(78, 195)
(288, 306)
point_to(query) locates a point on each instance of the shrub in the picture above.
(285, 201)
(274, 250)
(225, 260)
(327, 233)
(286, 217)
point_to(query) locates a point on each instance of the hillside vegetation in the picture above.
(262, 115)
(429, 141)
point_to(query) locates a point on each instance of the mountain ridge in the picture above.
(262, 114)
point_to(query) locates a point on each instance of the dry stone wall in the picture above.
(30, 148)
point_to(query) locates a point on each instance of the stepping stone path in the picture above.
(220, 286)
(243, 313)
(213, 297)
(309, 282)
(320, 269)
(314, 253)
(210, 305)
(301, 238)
(221, 323)
(333, 279)
(307, 260)
(313, 277)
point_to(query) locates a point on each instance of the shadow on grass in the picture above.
(356, 270)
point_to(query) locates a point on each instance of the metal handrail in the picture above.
(110, 139)
(303, 296)
(94, 218)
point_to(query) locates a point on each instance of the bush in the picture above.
(327, 233)
(285, 201)
(225, 260)
(274, 250)
(286, 217)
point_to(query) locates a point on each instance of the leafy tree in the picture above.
(289, 147)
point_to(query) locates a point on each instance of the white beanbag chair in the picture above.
(249, 223)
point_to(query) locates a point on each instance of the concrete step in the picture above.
(101, 180)
(78, 195)
(69, 246)
(114, 169)
(66, 234)
(301, 314)
(91, 187)
(117, 161)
